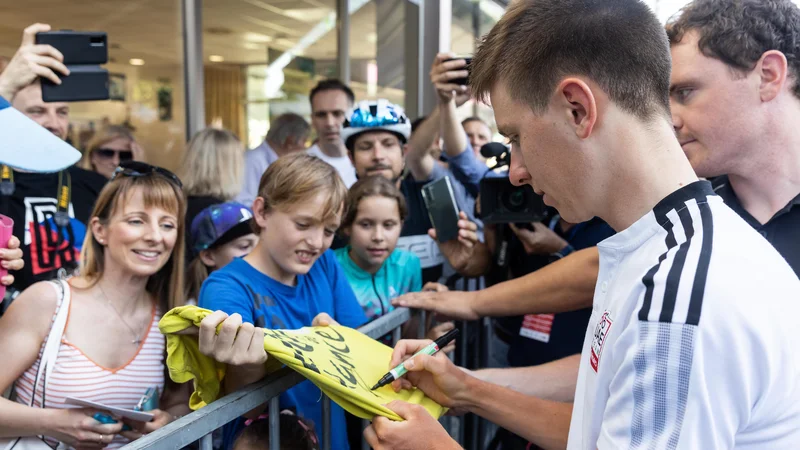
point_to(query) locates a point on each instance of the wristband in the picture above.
(564, 252)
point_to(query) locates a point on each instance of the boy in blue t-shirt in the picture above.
(291, 276)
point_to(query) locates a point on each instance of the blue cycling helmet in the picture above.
(375, 115)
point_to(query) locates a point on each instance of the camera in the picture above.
(501, 201)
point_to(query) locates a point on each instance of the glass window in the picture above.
(145, 66)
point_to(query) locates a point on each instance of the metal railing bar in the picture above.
(206, 442)
(192, 426)
(326, 422)
(197, 424)
(274, 424)
(386, 323)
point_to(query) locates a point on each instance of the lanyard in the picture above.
(63, 198)
(6, 181)
(63, 195)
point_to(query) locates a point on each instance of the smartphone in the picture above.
(78, 47)
(468, 68)
(83, 83)
(442, 208)
(83, 52)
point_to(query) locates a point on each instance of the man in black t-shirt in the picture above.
(51, 234)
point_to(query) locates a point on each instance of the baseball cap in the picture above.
(29, 146)
(219, 224)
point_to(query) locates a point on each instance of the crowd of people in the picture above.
(652, 306)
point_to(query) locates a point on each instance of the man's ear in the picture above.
(207, 256)
(576, 98)
(773, 69)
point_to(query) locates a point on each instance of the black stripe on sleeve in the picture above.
(700, 277)
(647, 280)
(674, 276)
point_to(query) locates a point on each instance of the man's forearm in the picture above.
(455, 140)
(419, 161)
(542, 422)
(554, 381)
(565, 285)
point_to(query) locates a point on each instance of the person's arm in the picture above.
(23, 328)
(453, 135)
(233, 306)
(565, 285)
(31, 62)
(420, 162)
(543, 422)
(555, 380)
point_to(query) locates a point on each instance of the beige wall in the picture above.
(163, 141)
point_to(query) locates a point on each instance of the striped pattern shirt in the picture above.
(76, 375)
(692, 342)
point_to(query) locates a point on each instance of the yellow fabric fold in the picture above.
(341, 361)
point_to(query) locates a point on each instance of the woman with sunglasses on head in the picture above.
(111, 351)
(112, 145)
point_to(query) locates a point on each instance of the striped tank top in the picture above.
(76, 375)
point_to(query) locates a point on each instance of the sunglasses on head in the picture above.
(108, 153)
(140, 169)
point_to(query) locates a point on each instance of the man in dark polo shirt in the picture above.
(782, 230)
(735, 100)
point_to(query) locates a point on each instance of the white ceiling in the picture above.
(239, 30)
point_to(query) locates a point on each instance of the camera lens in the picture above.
(515, 200)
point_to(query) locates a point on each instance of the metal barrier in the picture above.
(199, 424)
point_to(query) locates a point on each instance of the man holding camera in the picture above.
(678, 353)
(51, 230)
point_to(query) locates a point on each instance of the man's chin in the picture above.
(385, 173)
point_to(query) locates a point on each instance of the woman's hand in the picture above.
(160, 418)
(76, 428)
(11, 259)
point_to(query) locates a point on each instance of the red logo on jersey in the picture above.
(600, 333)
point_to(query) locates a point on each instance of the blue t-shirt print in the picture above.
(241, 288)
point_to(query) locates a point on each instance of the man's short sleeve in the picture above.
(677, 386)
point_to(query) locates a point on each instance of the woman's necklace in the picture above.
(136, 336)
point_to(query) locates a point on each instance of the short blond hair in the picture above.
(213, 165)
(103, 137)
(298, 178)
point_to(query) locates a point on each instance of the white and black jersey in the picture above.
(693, 341)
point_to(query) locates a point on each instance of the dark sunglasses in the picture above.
(108, 153)
(140, 169)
